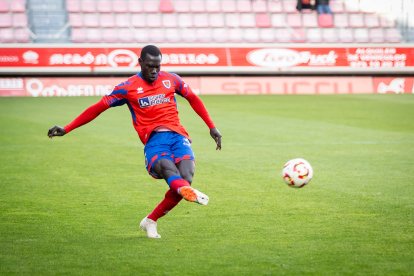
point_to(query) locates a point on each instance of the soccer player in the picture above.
(150, 97)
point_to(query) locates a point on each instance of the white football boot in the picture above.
(193, 195)
(150, 226)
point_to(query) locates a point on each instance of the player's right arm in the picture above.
(116, 98)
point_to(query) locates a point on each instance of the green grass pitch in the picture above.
(71, 205)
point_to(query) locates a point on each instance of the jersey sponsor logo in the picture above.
(167, 84)
(152, 100)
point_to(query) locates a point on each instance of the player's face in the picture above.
(150, 66)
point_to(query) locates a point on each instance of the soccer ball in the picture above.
(297, 172)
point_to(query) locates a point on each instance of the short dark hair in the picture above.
(151, 50)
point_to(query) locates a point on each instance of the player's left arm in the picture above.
(199, 107)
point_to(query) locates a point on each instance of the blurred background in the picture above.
(207, 40)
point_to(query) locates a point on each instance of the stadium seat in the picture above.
(216, 20)
(310, 20)
(247, 20)
(73, 6)
(104, 6)
(197, 6)
(153, 20)
(169, 20)
(94, 35)
(135, 7)
(250, 35)
(19, 20)
(330, 35)
(18, 6)
(387, 22)
(228, 6)
(156, 35)
(278, 20)
(124, 20)
(150, 5)
(337, 6)
(352, 6)
(283, 35)
(91, 20)
(21, 35)
(140, 35)
(392, 35)
(289, 6)
(172, 35)
(341, 20)
(138, 20)
(232, 20)
(275, 6)
(189, 35)
(267, 35)
(78, 35)
(325, 20)
(376, 35)
(298, 35)
(201, 20)
(6, 20)
(235, 35)
(166, 6)
(356, 20)
(106, 20)
(259, 6)
(244, 6)
(345, 35)
(361, 35)
(182, 6)
(314, 35)
(213, 6)
(185, 20)
(4, 7)
(203, 35)
(110, 35)
(371, 21)
(88, 6)
(294, 19)
(75, 20)
(219, 35)
(125, 35)
(6, 35)
(262, 20)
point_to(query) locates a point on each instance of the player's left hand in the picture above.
(215, 134)
(56, 131)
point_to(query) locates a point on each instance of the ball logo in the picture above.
(31, 57)
(274, 57)
(122, 57)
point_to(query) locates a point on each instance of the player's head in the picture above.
(150, 62)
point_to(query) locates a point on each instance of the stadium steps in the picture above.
(48, 21)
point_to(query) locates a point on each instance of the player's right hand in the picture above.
(56, 131)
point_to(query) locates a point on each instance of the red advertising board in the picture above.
(98, 86)
(259, 59)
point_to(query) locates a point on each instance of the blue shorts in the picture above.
(166, 145)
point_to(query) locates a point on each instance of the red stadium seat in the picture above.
(325, 20)
(166, 6)
(263, 20)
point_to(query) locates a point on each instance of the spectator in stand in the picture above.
(322, 7)
(306, 4)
